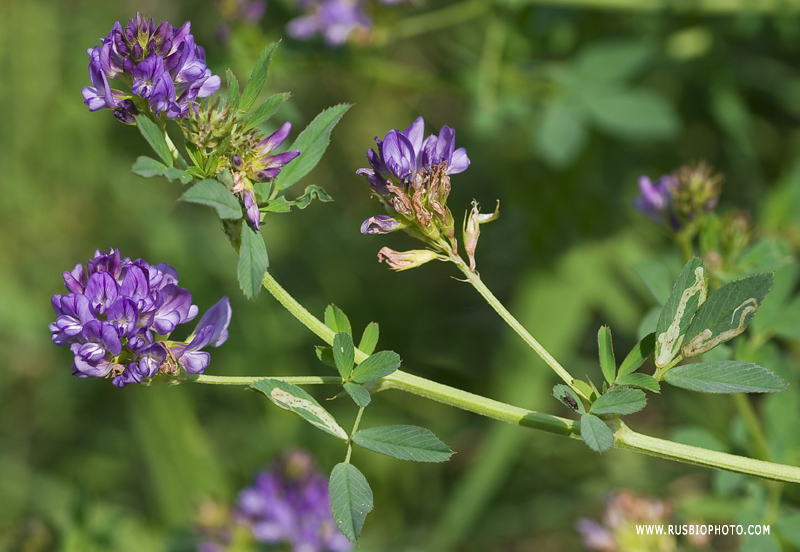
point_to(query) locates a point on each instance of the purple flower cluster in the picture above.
(655, 199)
(290, 504)
(162, 65)
(403, 154)
(116, 315)
(335, 20)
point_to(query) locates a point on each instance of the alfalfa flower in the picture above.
(118, 315)
(161, 68)
(335, 20)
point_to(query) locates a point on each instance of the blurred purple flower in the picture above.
(290, 504)
(655, 199)
(163, 67)
(335, 20)
(116, 312)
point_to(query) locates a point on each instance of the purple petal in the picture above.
(398, 154)
(274, 140)
(218, 317)
(176, 309)
(459, 163)
(380, 224)
(101, 291)
(415, 133)
(250, 205)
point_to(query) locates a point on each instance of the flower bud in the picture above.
(403, 260)
(472, 230)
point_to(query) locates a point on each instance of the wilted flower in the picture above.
(472, 230)
(163, 68)
(290, 504)
(117, 314)
(335, 20)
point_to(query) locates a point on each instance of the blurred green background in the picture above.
(561, 107)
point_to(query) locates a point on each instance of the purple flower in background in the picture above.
(335, 20)
(115, 316)
(290, 504)
(655, 199)
(163, 67)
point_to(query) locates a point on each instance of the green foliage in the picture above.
(358, 393)
(351, 499)
(337, 320)
(292, 398)
(378, 365)
(619, 401)
(253, 261)
(155, 137)
(687, 295)
(313, 142)
(405, 442)
(725, 376)
(369, 339)
(257, 78)
(595, 433)
(607, 362)
(568, 398)
(637, 356)
(266, 110)
(642, 381)
(216, 195)
(343, 353)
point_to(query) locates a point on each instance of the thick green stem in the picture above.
(495, 303)
(247, 380)
(625, 438)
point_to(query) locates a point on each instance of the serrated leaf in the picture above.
(257, 78)
(606, 348)
(376, 366)
(568, 398)
(292, 398)
(369, 339)
(358, 393)
(619, 401)
(725, 376)
(148, 167)
(154, 137)
(277, 205)
(351, 499)
(726, 313)
(233, 90)
(311, 192)
(637, 356)
(216, 195)
(595, 433)
(174, 173)
(253, 261)
(642, 381)
(405, 442)
(266, 110)
(343, 353)
(325, 355)
(687, 295)
(337, 320)
(312, 142)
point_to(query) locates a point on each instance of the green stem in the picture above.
(353, 433)
(625, 438)
(495, 303)
(248, 380)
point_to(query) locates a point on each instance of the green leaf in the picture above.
(358, 393)
(725, 376)
(311, 192)
(612, 60)
(619, 401)
(351, 499)
(632, 113)
(561, 134)
(216, 195)
(154, 137)
(292, 398)
(687, 295)
(568, 398)
(656, 277)
(583, 387)
(637, 356)
(257, 78)
(337, 320)
(325, 355)
(596, 433)
(607, 362)
(405, 442)
(312, 142)
(253, 261)
(642, 381)
(377, 366)
(233, 90)
(343, 353)
(726, 314)
(174, 173)
(266, 110)
(369, 339)
(148, 167)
